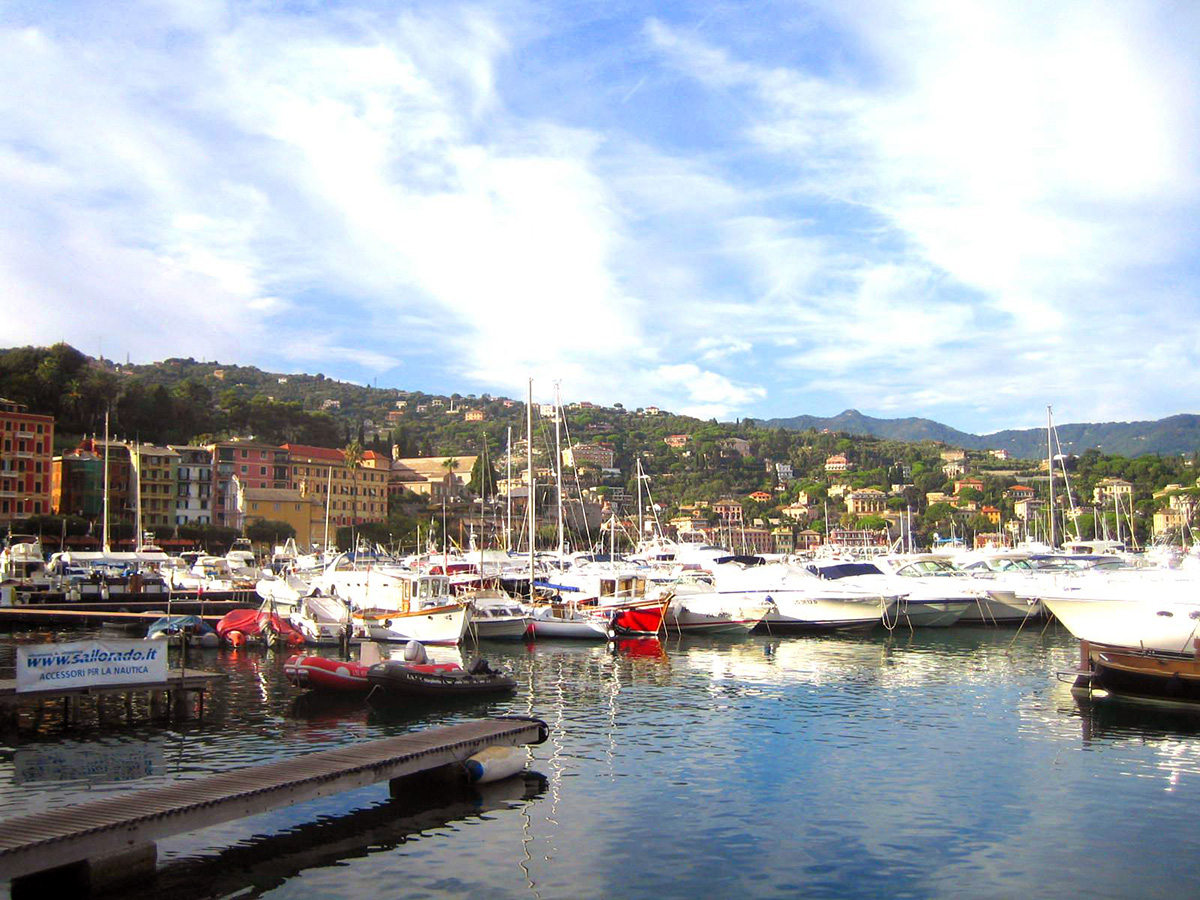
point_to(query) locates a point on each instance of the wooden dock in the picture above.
(117, 834)
(166, 697)
(84, 614)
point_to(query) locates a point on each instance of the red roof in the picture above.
(315, 452)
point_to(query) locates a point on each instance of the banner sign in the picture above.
(83, 664)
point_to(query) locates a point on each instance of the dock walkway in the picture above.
(166, 697)
(127, 822)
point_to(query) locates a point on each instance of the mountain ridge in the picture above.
(1171, 435)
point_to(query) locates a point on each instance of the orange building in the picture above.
(26, 458)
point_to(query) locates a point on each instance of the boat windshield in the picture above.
(845, 570)
(432, 588)
(923, 567)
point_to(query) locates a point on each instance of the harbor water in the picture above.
(937, 763)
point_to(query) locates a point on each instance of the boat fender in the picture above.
(237, 638)
(494, 764)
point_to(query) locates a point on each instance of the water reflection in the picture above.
(921, 764)
(262, 863)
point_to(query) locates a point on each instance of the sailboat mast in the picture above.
(558, 467)
(508, 494)
(641, 527)
(104, 530)
(328, 495)
(532, 479)
(135, 457)
(1050, 470)
(1117, 511)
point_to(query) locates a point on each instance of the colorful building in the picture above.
(26, 462)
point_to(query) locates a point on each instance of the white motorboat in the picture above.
(696, 608)
(799, 599)
(23, 562)
(1001, 574)
(242, 563)
(1147, 611)
(918, 602)
(395, 605)
(496, 615)
(564, 619)
(322, 619)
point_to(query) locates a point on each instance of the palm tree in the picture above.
(449, 464)
(353, 454)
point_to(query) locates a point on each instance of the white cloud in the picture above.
(1034, 160)
(962, 200)
(709, 394)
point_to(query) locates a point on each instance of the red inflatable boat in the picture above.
(322, 673)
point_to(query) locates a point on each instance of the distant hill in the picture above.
(1170, 436)
(176, 399)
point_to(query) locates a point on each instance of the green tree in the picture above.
(353, 453)
(266, 531)
(449, 464)
(483, 477)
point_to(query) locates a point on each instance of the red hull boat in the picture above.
(322, 673)
(644, 620)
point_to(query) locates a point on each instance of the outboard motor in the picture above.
(414, 653)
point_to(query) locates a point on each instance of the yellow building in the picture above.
(156, 469)
(433, 476)
(356, 495)
(866, 501)
(279, 505)
(1170, 520)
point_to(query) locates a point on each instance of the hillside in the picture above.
(178, 400)
(765, 465)
(1170, 436)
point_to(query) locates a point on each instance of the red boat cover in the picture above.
(243, 620)
(253, 621)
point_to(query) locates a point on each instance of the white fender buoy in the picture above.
(494, 764)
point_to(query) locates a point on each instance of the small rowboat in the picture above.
(322, 673)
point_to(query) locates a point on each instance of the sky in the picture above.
(964, 211)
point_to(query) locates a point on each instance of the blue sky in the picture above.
(958, 210)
